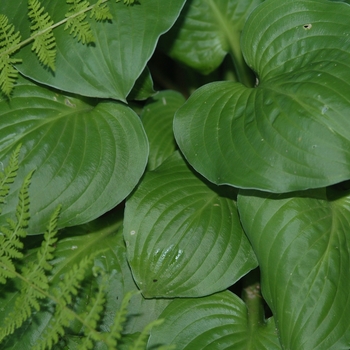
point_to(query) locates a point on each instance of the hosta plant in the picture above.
(193, 153)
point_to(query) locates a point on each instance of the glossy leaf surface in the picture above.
(303, 248)
(219, 322)
(206, 31)
(107, 68)
(157, 119)
(184, 237)
(87, 157)
(104, 239)
(292, 131)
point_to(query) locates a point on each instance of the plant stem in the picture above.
(243, 72)
(252, 297)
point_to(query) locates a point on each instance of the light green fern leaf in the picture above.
(111, 338)
(101, 11)
(141, 341)
(10, 244)
(63, 297)
(9, 39)
(8, 176)
(76, 21)
(129, 2)
(92, 316)
(45, 253)
(44, 41)
(35, 283)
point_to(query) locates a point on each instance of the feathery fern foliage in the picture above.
(9, 40)
(10, 244)
(101, 11)
(76, 21)
(44, 41)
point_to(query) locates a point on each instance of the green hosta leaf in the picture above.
(303, 248)
(206, 31)
(109, 67)
(184, 237)
(143, 88)
(291, 132)
(157, 119)
(88, 157)
(219, 322)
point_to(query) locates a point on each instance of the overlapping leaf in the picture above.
(109, 67)
(206, 31)
(87, 157)
(292, 131)
(303, 248)
(157, 119)
(219, 322)
(184, 237)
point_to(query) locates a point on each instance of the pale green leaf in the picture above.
(219, 322)
(88, 157)
(292, 131)
(303, 248)
(184, 236)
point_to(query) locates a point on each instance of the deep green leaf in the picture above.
(143, 88)
(183, 236)
(216, 322)
(108, 67)
(206, 31)
(157, 119)
(88, 157)
(303, 249)
(292, 131)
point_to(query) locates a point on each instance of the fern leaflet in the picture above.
(10, 244)
(8, 177)
(44, 44)
(34, 281)
(63, 297)
(8, 46)
(101, 11)
(76, 21)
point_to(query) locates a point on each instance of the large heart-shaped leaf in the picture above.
(157, 119)
(303, 249)
(184, 237)
(292, 131)
(219, 322)
(87, 157)
(109, 67)
(206, 31)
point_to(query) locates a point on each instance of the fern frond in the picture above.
(10, 240)
(45, 253)
(63, 296)
(9, 39)
(111, 338)
(141, 341)
(128, 2)
(92, 317)
(35, 283)
(101, 11)
(76, 21)
(44, 44)
(8, 176)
